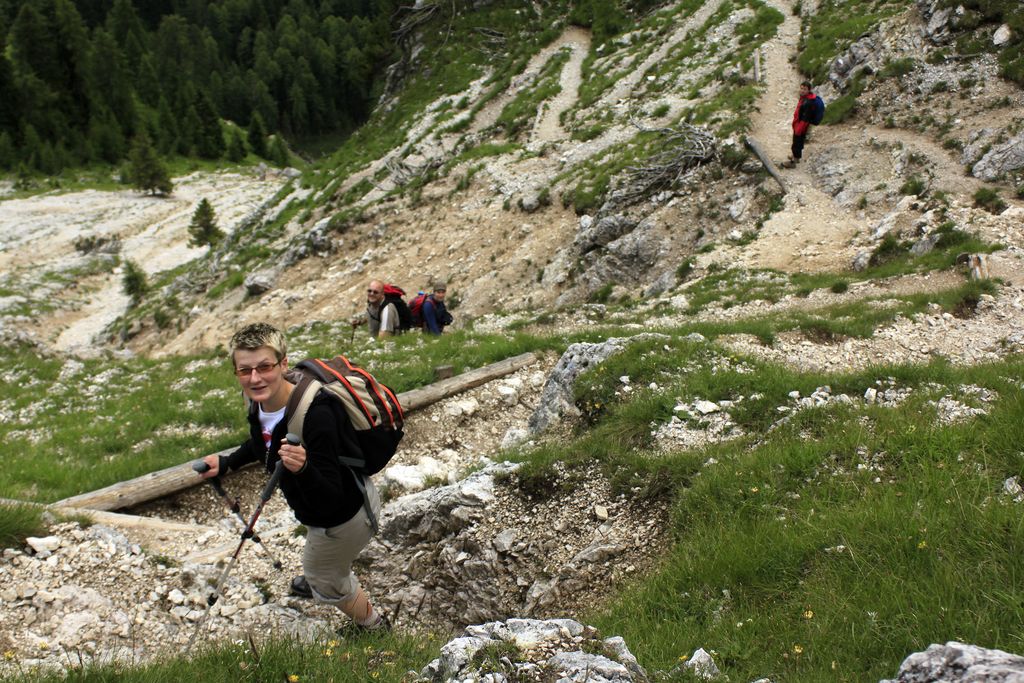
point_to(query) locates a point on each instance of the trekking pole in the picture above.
(235, 507)
(268, 491)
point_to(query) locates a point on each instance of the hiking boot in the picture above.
(300, 587)
(788, 163)
(350, 627)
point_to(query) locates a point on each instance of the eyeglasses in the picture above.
(262, 369)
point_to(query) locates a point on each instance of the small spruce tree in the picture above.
(145, 171)
(8, 153)
(278, 151)
(236, 146)
(203, 229)
(133, 282)
(257, 135)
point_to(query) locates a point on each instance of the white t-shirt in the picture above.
(268, 421)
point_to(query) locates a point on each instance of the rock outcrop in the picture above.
(959, 663)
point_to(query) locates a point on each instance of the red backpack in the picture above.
(416, 308)
(393, 294)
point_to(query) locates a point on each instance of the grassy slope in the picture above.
(789, 559)
(931, 553)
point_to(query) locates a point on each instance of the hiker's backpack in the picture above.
(393, 294)
(818, 112)
(373, 409)
(416, 308)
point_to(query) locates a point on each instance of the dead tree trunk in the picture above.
(768, 165)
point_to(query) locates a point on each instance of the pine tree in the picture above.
(257, 135)
(210, 138)
(203, 228)
(8, 155)
(145, 171)
(279, 151)
(189, 133)
(133, 282)
(105, 137)
(167, 136)
(236, 145)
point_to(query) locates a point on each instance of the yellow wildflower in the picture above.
(922, 545)
(808, 614)
(683, 658)
(293, 678)
(754, 489)
(8, 655)
(375, 674)
(332, 643)
(328, 652)
(798, 649)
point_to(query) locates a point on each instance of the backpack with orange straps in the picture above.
(372, 407)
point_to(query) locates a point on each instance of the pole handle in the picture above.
(201, 466)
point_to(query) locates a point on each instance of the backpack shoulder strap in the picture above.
(298, 403)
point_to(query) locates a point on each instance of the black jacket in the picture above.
(324, 492)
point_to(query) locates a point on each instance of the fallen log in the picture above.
(768, 165)
(432, 393)
(139, 490)
(177, 478)
(114, 519)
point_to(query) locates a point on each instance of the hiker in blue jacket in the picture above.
(435, 315)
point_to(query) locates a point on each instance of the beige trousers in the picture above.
(329, 553)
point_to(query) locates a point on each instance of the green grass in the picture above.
(354, 658)
(989, 199)
(754, 571)
(522, 110)
(102, 421)
(18, 522)
(835, 25)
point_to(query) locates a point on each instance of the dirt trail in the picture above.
(812, 232)
(624, 88)
(549, 126)
(576, 39)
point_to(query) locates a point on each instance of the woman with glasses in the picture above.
(320, 491)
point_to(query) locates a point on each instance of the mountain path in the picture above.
(624, 87)
(797, 237)
(548, 127)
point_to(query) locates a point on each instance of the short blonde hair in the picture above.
(256, 336)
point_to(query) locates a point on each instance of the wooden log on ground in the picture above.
(115, 519)
(180, 477)
(768, 165)
(139, 490)
(432, 393)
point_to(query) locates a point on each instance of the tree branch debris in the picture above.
(686, 148)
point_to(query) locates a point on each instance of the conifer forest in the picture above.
(82, 80)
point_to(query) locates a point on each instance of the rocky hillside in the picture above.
(566, 172)
(560, 179)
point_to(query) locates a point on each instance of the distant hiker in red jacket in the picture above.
(803, 116)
